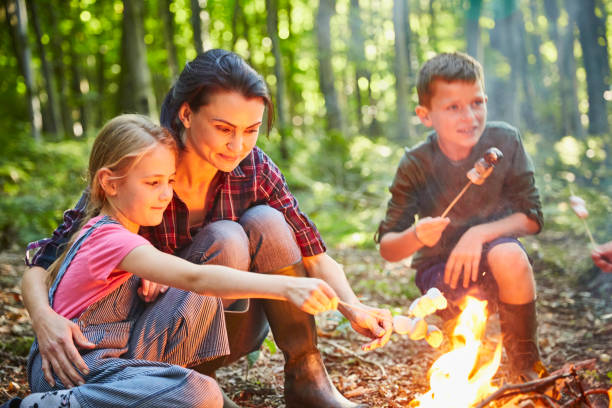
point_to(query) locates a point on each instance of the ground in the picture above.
(574, 307)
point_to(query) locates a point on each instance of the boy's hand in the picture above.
(602, 257)
(465, 258)
(429, 230)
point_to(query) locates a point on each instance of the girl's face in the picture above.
(141, 197)
(224, 131)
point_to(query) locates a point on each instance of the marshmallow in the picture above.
(415, 327)
(579, 206)
(434, 336)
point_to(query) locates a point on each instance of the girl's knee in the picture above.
(206, 393)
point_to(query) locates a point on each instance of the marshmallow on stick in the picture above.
(479, 173)
(434, 336)
(428, 303)
(414, 327)
(579, 207)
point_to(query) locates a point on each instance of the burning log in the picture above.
(542, 389)
(478, 174)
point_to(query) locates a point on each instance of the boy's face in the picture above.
(458, 113)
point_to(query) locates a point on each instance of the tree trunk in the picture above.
(51, 119)
(279, 72)
(594, 46)
(333, 113)
(136, 90)
(569, 119)
(236, 17)
(167, 17)
(508, 36)
(25, 56)
(401, 70)
(81, 124)
(472, 29)
(199, 37)
(60, 73)
(431, 29)
(356, 51)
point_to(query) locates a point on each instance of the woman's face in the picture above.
(224, 131)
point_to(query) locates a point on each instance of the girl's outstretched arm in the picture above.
(309, 294)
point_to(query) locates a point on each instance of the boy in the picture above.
(474, 250)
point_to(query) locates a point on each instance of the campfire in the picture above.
(462, 377)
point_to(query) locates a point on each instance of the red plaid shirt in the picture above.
(255, 181)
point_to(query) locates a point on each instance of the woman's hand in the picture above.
(465, 258)
(371, 322)
(311, 295)
(58, 339)
(148, 290)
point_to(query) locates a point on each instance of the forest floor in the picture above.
(575, 324)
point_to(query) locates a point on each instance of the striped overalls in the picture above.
(142, 349)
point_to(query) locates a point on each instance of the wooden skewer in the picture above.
(586, 226)
(588, 231)
(452, 204)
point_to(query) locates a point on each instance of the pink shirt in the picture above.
(93, 272)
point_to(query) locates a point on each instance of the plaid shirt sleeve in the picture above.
(272, 184)
(48, 249)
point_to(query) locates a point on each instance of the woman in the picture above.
(231, 207)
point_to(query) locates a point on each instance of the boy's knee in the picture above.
(508, 260)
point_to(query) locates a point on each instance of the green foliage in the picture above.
(38, 182)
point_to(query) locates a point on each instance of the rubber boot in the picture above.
(307, 384)
(519, 333)
(246, 332)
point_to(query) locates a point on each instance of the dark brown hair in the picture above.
(449, 67)
(212, 71)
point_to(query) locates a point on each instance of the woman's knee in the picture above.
(220, 243)
(272, 241)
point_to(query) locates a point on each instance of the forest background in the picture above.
(342, 74)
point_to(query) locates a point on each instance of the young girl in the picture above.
(138, 358)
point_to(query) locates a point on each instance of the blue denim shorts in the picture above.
(485, 288)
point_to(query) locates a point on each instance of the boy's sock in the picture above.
(51, 399)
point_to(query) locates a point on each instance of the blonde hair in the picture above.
(119, 145)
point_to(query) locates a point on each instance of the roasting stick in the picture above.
(588, 230)
(579, 207)
(452, 204)
(477, 175)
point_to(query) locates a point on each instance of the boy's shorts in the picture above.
(485, 288)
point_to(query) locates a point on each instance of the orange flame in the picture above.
(455, 378)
